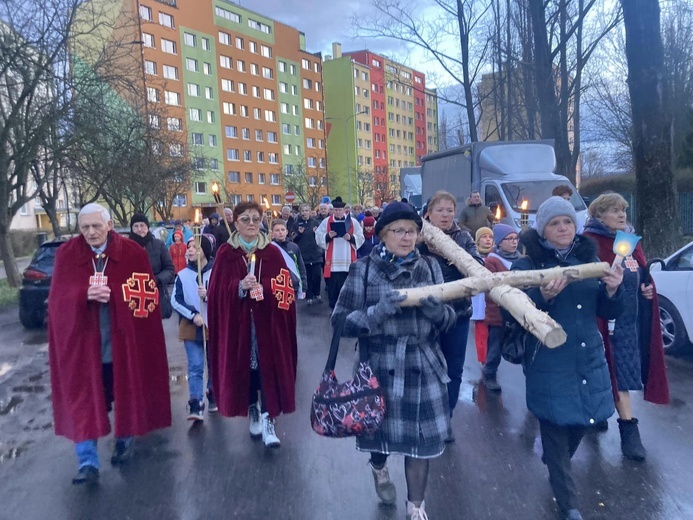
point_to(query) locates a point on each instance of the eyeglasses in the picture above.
(246, 220)
(511, 239)
(401, 233)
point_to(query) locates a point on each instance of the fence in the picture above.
(685, 210)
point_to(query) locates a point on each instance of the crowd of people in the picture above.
(235, 287)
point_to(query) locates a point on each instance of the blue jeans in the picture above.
(88, 455)
(453, 343)
(196, 369)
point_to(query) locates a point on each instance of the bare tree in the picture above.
(306, 179)
(657, 198)
(365, 187)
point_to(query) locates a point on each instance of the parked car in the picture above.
(36, 281)
(674, 280)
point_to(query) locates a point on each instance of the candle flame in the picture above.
(215, 187)
(267, 204)
(252, 257)
(198, 216)
(523, 206)
(623, 249)
(498, 213)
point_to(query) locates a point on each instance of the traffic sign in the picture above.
(289, 197)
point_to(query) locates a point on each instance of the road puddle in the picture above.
(10, 407)
(29, 389)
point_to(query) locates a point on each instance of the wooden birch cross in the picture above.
(502, 288)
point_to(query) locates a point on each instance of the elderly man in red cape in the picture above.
(106, 343)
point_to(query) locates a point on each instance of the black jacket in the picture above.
(162, 263)
(310, 250)
(463, 307)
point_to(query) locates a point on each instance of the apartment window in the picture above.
(229, 108)
(245, 133)
(258, 135)
(148, 40)
(150, 67)
(286, 129)
(287, 149)
(284, 107)
(170, 72)
(273, 158)
(243, 89)
(207, 69)
(175, 124)
(294, 90)
(307, 84)
(172, 98)
(209, 93)
(224, 38)
(292, 70)
(198, 139)
(205, 44)
(309, 123)
(145, 13)
(282, 66)
(193, 90)
(231, 132)
(253, 24)
(266, 51)
(307, 103)
(254, 69)
(175, 150)
(261, 157)
(318, 106)
(276, 200)
(295, 110)
(227, 85)
(232, 154)
(212, 140)
(201, 187)
(321, 144)
(210, 117)
(239, 43)
(235, 199)
(240, 65)
(247, 155)
(269, 94)
(256, 91)
(214, 164)
(225, 62)
(191, 64)
(252, 47)
(310, 142)
(316, 67)
(261, 178)
(152, 94)
(195, 115)
(244, 111)
(274, 179)
(154, 121)
(297, 130)
(180, 201)
(271, 137)
(166, 20)
(305, 64)
(270, 116)
(312, 162)
(190, 39)
(235, 177)
(250, 198)
(248, 177)
(168, 46)
(257, 113)
(228, 15)
(312, 180)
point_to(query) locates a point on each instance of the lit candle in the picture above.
(251, 268)
(524, 216)
(624, 245)
(497, 216)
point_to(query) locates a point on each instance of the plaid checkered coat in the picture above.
(404, 353)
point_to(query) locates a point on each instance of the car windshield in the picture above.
(536, 192)
(45, 254)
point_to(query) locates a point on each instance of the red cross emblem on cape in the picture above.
(141, 294)
(282, 289)
(98, 279)
(632, 264)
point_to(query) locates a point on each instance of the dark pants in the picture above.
(314, 280)
(255, 387)
(107, 373)
(453, 343)
(560, 444)
(334, 287)
(493, 353)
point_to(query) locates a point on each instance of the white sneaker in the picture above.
(383, 485)
(416, 513)
(255, 422)
(268, 436)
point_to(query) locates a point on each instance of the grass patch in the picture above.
(8, 295)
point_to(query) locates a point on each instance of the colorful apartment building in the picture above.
(380, 117)
(243, 91)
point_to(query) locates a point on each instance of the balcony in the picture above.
(172, 3)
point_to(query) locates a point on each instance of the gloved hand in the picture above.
(439, 313)
(387, 306)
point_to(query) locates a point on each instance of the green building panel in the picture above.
(210, 111)
(291, 121)
(338, 82)
(245, 19)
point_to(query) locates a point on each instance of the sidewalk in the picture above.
(21, 264)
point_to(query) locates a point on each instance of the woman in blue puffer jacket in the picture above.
(568, 387)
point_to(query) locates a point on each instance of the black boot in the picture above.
(631, 445)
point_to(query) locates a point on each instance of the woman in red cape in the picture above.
(252, 327)
(634, 348)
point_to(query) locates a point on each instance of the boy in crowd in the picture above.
(298, 272)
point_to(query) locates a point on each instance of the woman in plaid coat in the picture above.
(403, 351)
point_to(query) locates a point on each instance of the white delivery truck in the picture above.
(505, 173)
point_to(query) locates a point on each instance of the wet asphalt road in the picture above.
(216, 471)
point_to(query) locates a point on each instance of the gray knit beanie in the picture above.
(553, 207)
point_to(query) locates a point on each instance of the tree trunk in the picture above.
(8, 259)
(657, 197)
(52, 214)
(468, 93)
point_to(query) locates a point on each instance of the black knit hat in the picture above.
(205, 244)
(139, 217)
(337, 202)
(397, 211)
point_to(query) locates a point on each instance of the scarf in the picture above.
(237, 242)
(368, 234)
(484, 250)
(560, 253)
(143, 241)
(327, 271)
(597, 227)
(383, 253)
(510, 257)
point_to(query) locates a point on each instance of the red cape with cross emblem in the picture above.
(140, 367)
(229, 332)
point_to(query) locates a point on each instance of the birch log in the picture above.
(517, 303)
(519, 279)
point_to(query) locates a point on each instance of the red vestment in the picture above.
(140, 366)
(657, 386)
(229, 319)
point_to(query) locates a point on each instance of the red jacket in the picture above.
(493, 316)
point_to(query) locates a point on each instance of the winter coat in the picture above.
(186, 301)
(474, 217)
(463, 307)
(404, 353)
(291, 249)
(312, 253)
(161, 261)
(368, 244)
(570, 384)
(493, 314)
(177, 252)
